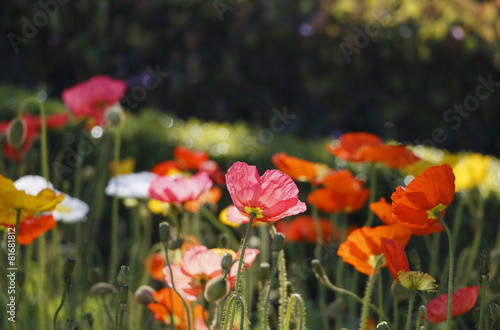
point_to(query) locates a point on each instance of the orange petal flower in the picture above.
(189, 159)
(395, 256)
(299, 169)
(342, 193)
(367, 147)
(363, 245)
(416, 205)
(33, 228)
(165, 167)
(463, 300)
(384, 211)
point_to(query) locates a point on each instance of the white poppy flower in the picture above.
(135, 185)
(71, 210)
(32, 184)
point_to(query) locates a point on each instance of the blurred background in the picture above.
(409, 70)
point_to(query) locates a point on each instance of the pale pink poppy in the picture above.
(199, 265)
(270, 197)
(178, 188)
(91, 98)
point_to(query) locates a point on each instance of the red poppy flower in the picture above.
(417, 204)
(384, 211)
(302, 228)
(341, 193)
(463, 300)
(270, 197)
(299, 169)
(363, 246)
(33, 228)
(395, 256)
(33, 126)
(191, 160)
(365, 147)
(91, 98)
(166, 167)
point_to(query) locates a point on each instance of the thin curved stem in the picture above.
(232, 310)
(114, 210)
(294, 297)
(369, 289)
(484, 284)
(410, 309)
(60, 307)
(450, 271)
(421, 310)
(271, 281)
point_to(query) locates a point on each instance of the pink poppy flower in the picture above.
(199, 265)
(463, 299)
(179, 189)
(91, 98)
(270, 197)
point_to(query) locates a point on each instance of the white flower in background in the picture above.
(71, 210)
(32, 184)
(133, 185)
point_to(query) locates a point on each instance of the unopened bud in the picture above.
(383, 326)
(175, 243)
(114, 115)
(278, 242)
(264, 271)
(216, 289)
(227, 261)
(123, 296)
(144, 295)
(318, 269)
(484, 263)
(123, 275)
(399, 292)
(68, 267)
(16, 133)
(414, 259)
(164, 232)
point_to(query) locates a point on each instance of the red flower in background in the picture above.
(363, 246)
(299, 169)
(166, 167)
(341, 193)
(302, 228)
(430, 193)
(33, 228)
(384, 211)
(190, 160)
(178, 189)
(33, 126)
(463, 300)
(366, 147)
(91, 98)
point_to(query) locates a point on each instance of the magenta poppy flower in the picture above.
(199, 265)
(178, 188)
(91, 98)
(463, 301)
(270, 197)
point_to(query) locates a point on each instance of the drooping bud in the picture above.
(216, 289)
(227, 261)
(144, 295)
(115, 114)
(318, 269)
(264, 271)
(383, 326)
(164, 232)
(399, 292)
(278, 242)
(123, 275)
(16, 133)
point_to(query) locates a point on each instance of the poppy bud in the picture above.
(16, 133)
(399, 292)
(318, 269)
(278, 242)
(216, 289)
(484, 263)
(115, 115)
(68, 267)
(123, 275)
(175, 243)
(494, 313)
(164, 231)
(144, 295)
(123, 296)
(383, 326)
(227, 261)
(264, 271)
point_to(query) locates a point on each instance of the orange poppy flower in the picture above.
(363, 246)
(302, 228)
(417, 205)
(189, 159)
(384, 211)
(341, 193)
(165, 168)
(167, 300)
(299, 169)
(33, 228)
(212, 196)
(366, 147)
(463, 300)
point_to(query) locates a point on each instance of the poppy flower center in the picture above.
(433, 213)
(200, 280)
(63, 209)
(372, 260)
(256, 210)
(415, 280)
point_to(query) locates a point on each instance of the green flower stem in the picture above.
(294, 297)
(421, 310)
(450, 271)
(380, 301)
(478, 231)
(264, 245)
(41, 280)
(366, 298)
(121, 318)
(271, 281)
(238, 276)
(457, 220)
(219, 225)
(396, 314)
(114, 211)
(231, 308)
(60, 307)
(484, 284)
(373, 191)
(410, 309)
(165, 246)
